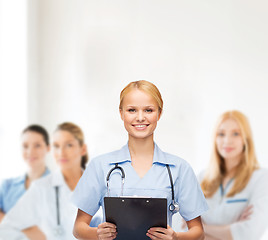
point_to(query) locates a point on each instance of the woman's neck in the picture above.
(142, 153)
(231, 166)
(33, 174)
(231, 169)
(141, 147)
(72, 176)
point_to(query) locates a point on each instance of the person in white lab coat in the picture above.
(234, 184)
(45, 211)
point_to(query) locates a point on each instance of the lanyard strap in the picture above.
(57, 204)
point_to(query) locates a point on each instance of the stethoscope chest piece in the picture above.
(58, 231)
(174, 207)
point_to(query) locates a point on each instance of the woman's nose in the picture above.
(228, 139)
(30, 150)
(61, 151)
(140, 116)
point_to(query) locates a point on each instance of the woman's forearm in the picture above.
(1, 215)
(195, 233)
(34, 233)
(83, 231)
(218, 232)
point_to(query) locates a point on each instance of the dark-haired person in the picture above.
(35, 146)
(46, 204)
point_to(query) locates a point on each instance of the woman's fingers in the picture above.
(106, 231)
(245, 215)
(160, 233)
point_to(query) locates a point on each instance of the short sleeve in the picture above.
(25, 213)
(97, 218)
(189, 195)
(89, 190)
(255, 227)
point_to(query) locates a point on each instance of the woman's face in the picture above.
(67, 150)
(140, 114)
(229, 142)
(34, 149)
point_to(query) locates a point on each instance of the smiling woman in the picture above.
(140, 114)
(148, 172)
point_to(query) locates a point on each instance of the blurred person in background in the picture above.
(234, 184)
(35, 146)
(45, 211)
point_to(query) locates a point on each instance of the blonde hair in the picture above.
(78, 134)
(145, 86)
(217, 169)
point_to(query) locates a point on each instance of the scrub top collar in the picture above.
(225, 189)
(22, 179)
(159, 156)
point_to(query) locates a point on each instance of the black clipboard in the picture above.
(133, 216)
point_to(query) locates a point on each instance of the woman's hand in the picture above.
(161, 233)
(245, 215)
(1, 215)
(34, 233)
(106, 231)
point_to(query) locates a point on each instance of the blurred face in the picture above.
(67, 150)
(229, 142)
(140, 114)
(34, 149)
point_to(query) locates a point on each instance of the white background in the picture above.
(68, 60)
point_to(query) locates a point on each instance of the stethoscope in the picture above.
(173, 207)
(58, 230)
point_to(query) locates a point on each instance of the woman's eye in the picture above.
(220, 134)
(131, 110)
(236, 134)
(69, 145)
(55, 146)
(149, 110)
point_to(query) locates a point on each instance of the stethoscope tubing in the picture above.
(173, 207)
(122, 178)
(57, 205)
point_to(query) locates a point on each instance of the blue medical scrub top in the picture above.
(11, 190)
(91, 188)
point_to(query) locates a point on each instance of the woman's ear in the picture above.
(121, 113)
(159, 114)
(84, 150)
